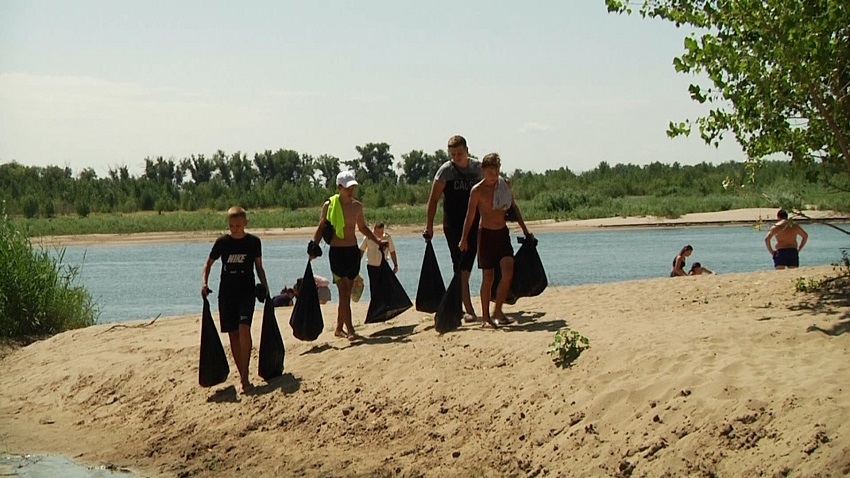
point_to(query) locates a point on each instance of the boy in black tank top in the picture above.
(240, 254)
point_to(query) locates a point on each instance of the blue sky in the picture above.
(545, 83)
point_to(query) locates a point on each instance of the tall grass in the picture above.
(38, 294)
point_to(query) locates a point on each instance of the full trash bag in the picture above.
(306, 320)
(450, 311)
(389, 299)
(272, 351)
(213, 368)
(431, 287)
(529, 275)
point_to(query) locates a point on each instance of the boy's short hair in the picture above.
(236, 212)
(492, 160)
(379, 224)
(696, 265)
(457, 140)
(782, 214)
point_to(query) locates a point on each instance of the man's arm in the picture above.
(437, 188)
(767, 239)
(804, 237)
(470, 217)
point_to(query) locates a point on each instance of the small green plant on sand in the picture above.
(807, 284)
(567, 346)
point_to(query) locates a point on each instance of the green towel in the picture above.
(336, 216)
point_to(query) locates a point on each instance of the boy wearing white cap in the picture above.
(344, 213)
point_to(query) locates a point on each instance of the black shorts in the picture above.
(235, 311)
(788, 257)
(345, 262)
(462, 260)
(494, 244)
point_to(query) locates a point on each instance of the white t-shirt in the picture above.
(373, 252)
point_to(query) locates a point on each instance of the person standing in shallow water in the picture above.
(240, 254)
(454, 181)
(787, 252)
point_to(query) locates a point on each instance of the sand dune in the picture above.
(728, 375)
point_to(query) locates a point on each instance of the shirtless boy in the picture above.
(786, 253)
(240, 253)
(344, 255)
(491, 198)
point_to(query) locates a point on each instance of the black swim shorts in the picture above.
(235, 311)
(789, 257)
(462, 260)
(345, 261)
(493, 245)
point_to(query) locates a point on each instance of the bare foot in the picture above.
(247, 387)
(340, 334)
(352, 337)
(488, 324)
(470, 318)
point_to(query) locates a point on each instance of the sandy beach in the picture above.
(713, 376)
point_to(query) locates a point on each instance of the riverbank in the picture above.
(727, 375)
(738, 216)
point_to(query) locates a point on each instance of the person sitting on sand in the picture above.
(322, 287)
(698, 269)
(286, 297)
(679, 261)
(491, 198)
(786, 253)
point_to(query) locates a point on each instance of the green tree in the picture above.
(779, 73)
(329, 167)
(375, 163)
(418, 165)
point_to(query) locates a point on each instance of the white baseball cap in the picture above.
(346, 179)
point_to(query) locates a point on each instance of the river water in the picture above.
(142, 281)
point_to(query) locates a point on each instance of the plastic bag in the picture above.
(529, 276)
(306, 319)
(431, 287)
(272, 351)
(213, 368)
(388, 296)
(450, 311)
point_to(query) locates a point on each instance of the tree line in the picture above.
(289, 179)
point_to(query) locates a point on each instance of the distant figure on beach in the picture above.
(491, 198)
(454, 181)
(787, 252)
(698, 269)
(322, 287)
(375, 254)
(679, 261)
(345, 214)
(286, 297)
(240, 254)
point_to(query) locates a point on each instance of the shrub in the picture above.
(567, 346)
(38, 294)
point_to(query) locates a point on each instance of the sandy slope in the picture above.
(729, 375)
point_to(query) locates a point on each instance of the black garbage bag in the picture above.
(431, 287)
(213, 368)
(529, 276)
(306, 320)
(450, 311)
(497, 277)
(272, 351)
(388, 298)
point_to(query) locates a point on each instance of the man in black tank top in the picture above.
(240, 253)
(454, 181)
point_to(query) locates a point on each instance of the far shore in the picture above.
(752, 216)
